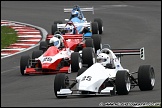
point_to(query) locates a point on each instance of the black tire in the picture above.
(146, 77)
(80, 71)
(122, 83)
(96, 41)
(57, 22)
(89, 43)
(43, 46)
(76, 62)
(36, 54)
(88, 56)
(100, 24)
(54, 29)
(94, 27)
(24, 62)
(60, 83)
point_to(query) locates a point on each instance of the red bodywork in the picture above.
(70, 41)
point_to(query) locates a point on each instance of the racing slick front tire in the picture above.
(88, 56)
(61, 81)
(146, 77)
(43, 46)
(94, 28)
(100, 24)
(76, 61)
(24, 62)
(122, 83)
(97, 42)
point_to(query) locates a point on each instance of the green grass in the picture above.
(8, 36)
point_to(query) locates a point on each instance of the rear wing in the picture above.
(88, 24)
(70, 36)
(122, 52)
(91, 9)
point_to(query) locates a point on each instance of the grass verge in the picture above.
(8, 36)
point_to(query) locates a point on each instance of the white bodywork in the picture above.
(94, 76)
(51, 59)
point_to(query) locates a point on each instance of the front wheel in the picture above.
(24, 63)
(146, 77)
(122, 82)
(61, 81)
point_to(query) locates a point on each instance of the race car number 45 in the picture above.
(87, 78)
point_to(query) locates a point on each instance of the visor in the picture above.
(100, 60)
(56, 43)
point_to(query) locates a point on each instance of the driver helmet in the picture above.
(103, 59)
(74, 13)
(59, 36)
(69, 29)
(55, 41)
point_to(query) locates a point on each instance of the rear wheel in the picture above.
(36, 54)
(54, 28)
(76, 61)
(61, 81)
(94, 28)
(88, 56)
(43, 46)
(100, 24)
(122, 83)
(97, 42)
(146, 77)
(24, 63)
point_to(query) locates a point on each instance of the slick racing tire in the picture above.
(54, 29)
(24, 62)
(96, 41)
(54, 26)
(88, 56)
(43, 46)
(146, 77)
(100, 24)
(36, 54)
(94, 28)
(80, 71)
(122, 83)
(89, 43)
(76, 61)
(61, 81)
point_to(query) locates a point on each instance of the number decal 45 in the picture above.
(87, 78)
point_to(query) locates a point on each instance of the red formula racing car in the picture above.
(51, 59)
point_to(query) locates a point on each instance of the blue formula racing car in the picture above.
(82, 25)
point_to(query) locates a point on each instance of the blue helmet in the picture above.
(74, 13)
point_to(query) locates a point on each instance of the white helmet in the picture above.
(69, 29)
(59, 36)
(103, 59)
(55, 41)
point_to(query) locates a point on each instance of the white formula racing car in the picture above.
(107, 77)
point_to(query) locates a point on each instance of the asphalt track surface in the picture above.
(129, 24)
